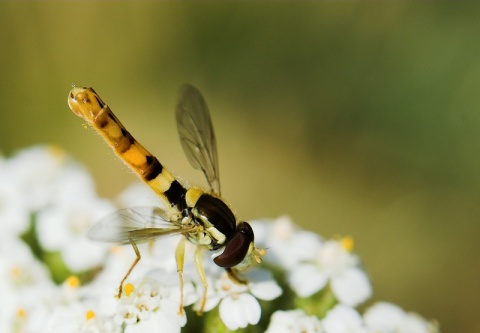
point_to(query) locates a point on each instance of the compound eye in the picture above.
(237, 248)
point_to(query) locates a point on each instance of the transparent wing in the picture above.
(196, 134)
(140, 224)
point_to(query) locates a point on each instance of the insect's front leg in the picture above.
(135, 262)
(180, 258)
(201, 272)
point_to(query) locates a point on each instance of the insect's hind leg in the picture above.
(135, 262)
(201, 273)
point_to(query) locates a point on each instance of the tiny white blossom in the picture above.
(238, 302)
(139, 194)
(36, 172)
(293, 321)
(287, 244)
(26, 290)
(151, 304)
(63, 228)
(384, 317)
(334, 263)
(343, 319)
(14, 211)
(78, 317)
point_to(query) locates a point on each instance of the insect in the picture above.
(202, 217)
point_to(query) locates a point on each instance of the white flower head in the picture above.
(294, 321)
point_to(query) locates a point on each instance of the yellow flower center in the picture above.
(21, 313)
(89, 315)
(128, 289)
(73, 281)
(347, 243)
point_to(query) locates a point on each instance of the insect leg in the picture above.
(135, 262)
(180, 258)
(201, 272)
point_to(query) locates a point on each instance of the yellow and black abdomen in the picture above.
(86, 104)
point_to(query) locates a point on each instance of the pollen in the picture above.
(16, 271)
(57, 152)
(89, 315)
(128, 289)
(73, 281)
(347, 243)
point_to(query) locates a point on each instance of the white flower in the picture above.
(335, 263)
(238, 302)
(139, 194)
(152, 304)
(286, 244)
(35, 170)
(294, 321)
(385, 317)
(63, 228)
(343, 319)
(25, 287)
(14, 211)
(79, 318)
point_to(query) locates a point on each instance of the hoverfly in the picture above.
(202, 217)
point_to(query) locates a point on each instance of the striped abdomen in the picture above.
(86, 104)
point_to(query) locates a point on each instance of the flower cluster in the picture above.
(54, 279)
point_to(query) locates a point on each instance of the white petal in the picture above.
(289, 246)
(263, 286)
(240, 311)
(343, 319)
(352, 287)
(306, 280)
(414, 324)
(293, 321)
(139, 194)
(52, 231)
(384, 316)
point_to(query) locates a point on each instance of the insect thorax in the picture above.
(216, 220)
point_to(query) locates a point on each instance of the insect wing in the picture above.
(197, 135)
(140, 224)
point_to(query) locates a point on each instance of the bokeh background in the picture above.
(358, 119)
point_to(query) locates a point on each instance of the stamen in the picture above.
(347, 243)
(116, 249)
(128, 289)
(56, 152)
(73, 281)
(16, 271)
(89, 315)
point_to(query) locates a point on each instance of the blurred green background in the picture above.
(358, 119)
